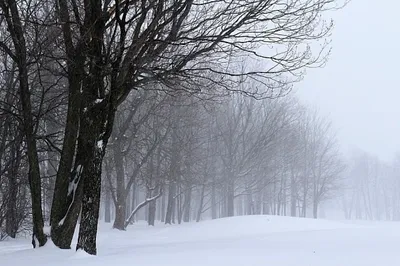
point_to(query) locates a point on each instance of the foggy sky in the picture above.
(359, 87)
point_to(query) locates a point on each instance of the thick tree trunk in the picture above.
(96, 126)
(96, 123)
(67, 195)
(90, 203)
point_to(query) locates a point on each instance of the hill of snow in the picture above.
(246, 240)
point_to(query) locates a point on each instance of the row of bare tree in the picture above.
(67, 66)
(188, 159)
(372, 188)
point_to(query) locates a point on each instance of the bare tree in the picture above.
(110, 48)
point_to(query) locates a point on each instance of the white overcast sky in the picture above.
(359, 87)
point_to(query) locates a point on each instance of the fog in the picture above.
(193, 123)
(358, 88)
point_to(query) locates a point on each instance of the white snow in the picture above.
(100, 144)
(238, 241)
(72, 189)
(72, 185)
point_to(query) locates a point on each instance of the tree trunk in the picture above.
(11, 213)
(186, 206)
(230, 197)
(134, 199)
(173, 174)
(96, 126)
(170, 203)
(12, 221)
(163, 213)
(200, 209)
(90, 205)
(213, 202)
(293, 195)
(15, 27)
(107, 207)
(315, 209)
(120, 207)
(249, 202)
(152, 212)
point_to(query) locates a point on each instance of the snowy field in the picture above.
(244, 241)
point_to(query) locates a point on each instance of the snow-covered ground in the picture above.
(244, 241)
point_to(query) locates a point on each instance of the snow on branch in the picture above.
(141, 205)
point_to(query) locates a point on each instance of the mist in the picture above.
(196, 132)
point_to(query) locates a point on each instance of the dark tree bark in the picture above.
(15, 27)
(12, 221)
(68, 188)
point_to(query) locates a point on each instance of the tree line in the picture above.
(238, 156)
(148, 80)
(371, 190)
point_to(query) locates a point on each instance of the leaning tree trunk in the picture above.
(67, 195)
